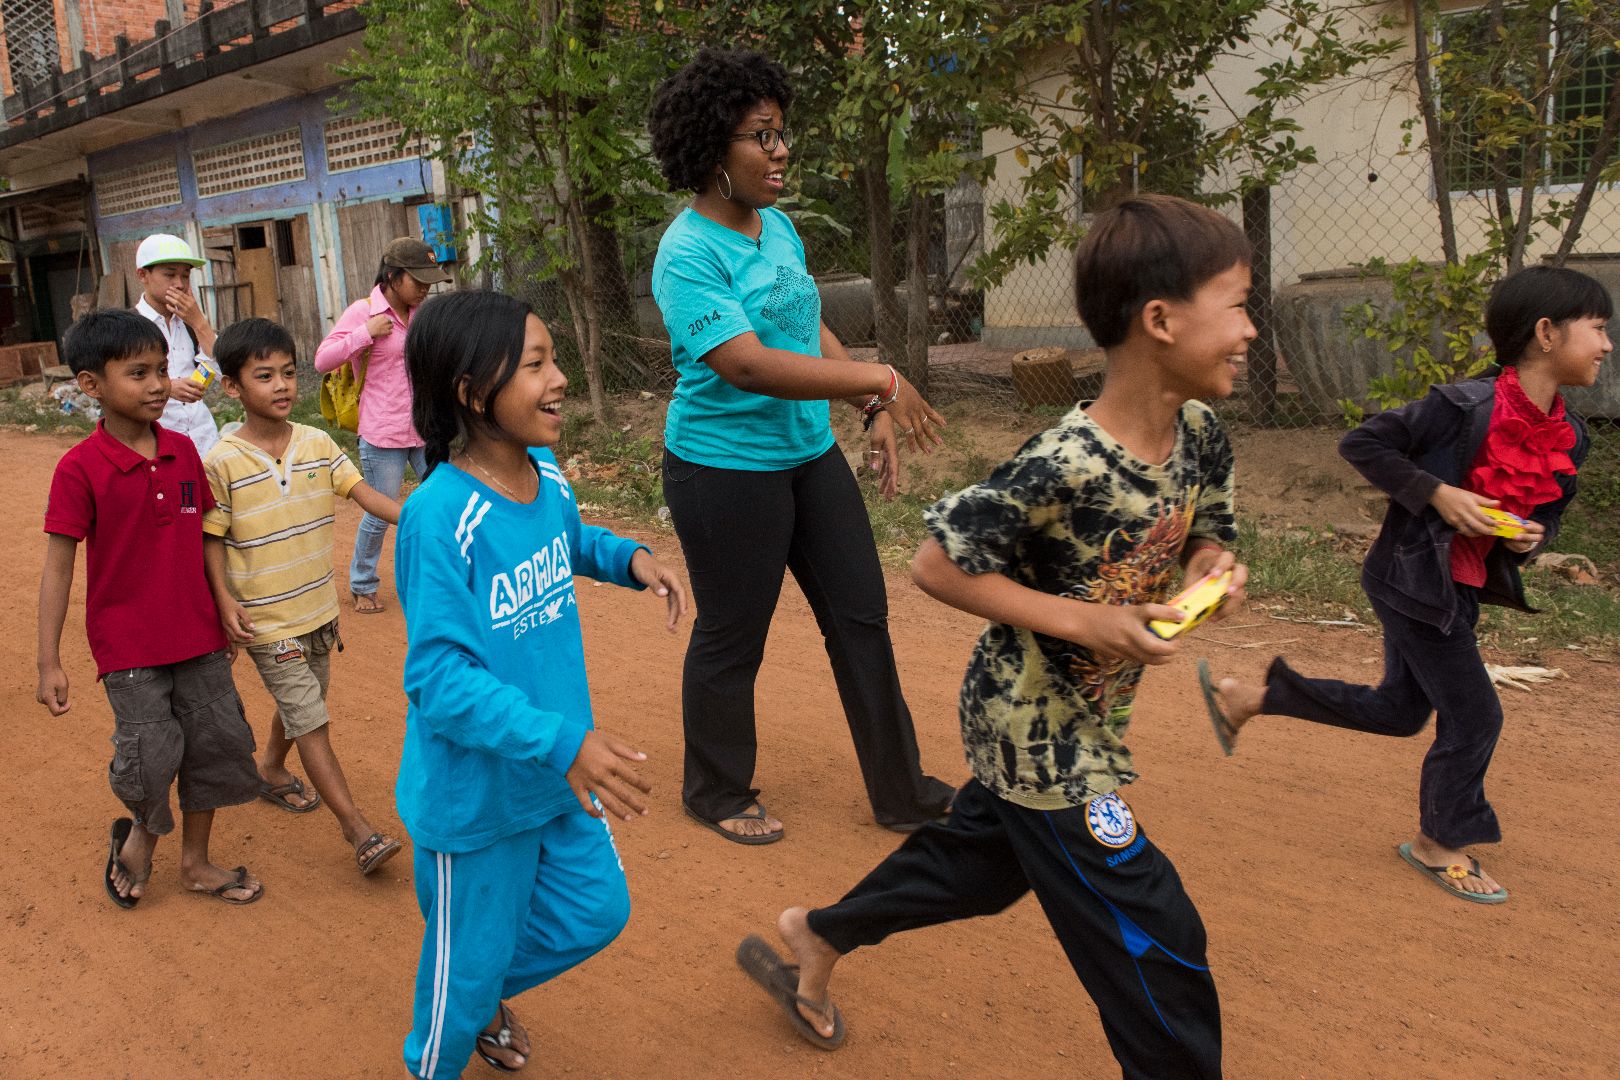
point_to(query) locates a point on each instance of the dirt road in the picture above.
(1333, 958)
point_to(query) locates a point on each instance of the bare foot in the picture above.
(208, 877)
(1432, 853)
(751, 826)
(815, 959)
(1240, 701)
(136, 858)
(277, 776)
(514, 1052)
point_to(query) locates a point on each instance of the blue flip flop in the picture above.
(1441, 875)
(1225, 733)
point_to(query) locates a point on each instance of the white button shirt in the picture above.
(190, 418)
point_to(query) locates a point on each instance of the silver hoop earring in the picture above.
(726, 195)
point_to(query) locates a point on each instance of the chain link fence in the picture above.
(1020, 341)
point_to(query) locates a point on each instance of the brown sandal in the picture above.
(382, 848)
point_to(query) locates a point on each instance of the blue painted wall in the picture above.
(391, 181)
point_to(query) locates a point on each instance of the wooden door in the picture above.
(295, 278)
(256, 265)
(363, 231)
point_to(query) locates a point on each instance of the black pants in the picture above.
(739, 531)
(1115, 901)
(1425, 670)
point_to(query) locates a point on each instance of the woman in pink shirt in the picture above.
(371, 335)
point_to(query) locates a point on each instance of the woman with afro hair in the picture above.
(752, 475)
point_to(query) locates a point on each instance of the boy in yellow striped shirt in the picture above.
(268, 550)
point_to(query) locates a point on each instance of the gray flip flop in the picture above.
(758, 814)
(761, 963)
(1225, 733)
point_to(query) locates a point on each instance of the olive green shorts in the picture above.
(296, 672)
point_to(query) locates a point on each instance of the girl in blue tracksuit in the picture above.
(504, 784)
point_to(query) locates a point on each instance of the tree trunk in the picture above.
(1431, 128)
(1263, 349)
(887, 319)
(614, 300)
(919, 332)
(1602, 153)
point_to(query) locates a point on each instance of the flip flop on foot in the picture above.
(1226, 732)
(239, 881)
(503, 1039)
(121, 828)
(761, 963)
(278, 794)
(375, 850)
(367, 604)
(756, 814)
(1450, 877)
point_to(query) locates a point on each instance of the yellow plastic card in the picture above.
(1508, 526)
(1199, 600)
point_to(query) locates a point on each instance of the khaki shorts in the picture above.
(296, 672)
(181, 720)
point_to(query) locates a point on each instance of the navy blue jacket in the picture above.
(1409, 452)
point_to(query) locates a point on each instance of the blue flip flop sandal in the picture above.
(1443, 875)
(1225, 733)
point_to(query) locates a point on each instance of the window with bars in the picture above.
(249, 163)
(139, 187)
(353, 142)
(32, 49)
(1593, 67)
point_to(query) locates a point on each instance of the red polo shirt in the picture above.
(147, 602)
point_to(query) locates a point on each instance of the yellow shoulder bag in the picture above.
(340, 392)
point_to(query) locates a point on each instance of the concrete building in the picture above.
(1367, 197)
(224, 125)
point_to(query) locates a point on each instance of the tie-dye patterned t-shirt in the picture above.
(1075, 514)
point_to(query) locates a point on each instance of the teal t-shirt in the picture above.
(712, 284)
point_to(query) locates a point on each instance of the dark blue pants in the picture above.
(1425, 670)
(1116, 903)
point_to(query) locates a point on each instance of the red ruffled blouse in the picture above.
(1522, 452)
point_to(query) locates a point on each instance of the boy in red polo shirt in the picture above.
(136, 493)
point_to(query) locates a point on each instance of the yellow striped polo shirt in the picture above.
(275, 516)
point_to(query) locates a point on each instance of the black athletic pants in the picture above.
(1116, 903)
(740, 531)
(1426, 670)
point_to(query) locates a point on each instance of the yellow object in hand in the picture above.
(1199, 601)
(1508, 526)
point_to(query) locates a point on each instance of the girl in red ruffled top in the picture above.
(1507, 443)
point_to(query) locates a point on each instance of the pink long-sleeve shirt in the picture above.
(385, 399)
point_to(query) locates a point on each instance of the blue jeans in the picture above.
(384, 469)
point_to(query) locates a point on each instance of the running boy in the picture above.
(1069, 550)
(164, 263)
(135, 492)
(269, 555)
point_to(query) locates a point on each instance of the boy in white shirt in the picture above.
(164, 264)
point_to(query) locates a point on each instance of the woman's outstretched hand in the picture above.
(914, 419)
(884, 456)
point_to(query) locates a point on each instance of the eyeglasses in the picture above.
(768, 138)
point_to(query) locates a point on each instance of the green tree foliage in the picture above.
(1119, 97)
(539, 106)
(1511, 125)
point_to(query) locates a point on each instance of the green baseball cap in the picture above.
(164, 248)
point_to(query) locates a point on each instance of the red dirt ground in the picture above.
(1333, 958)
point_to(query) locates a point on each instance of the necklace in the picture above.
(514, 496)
